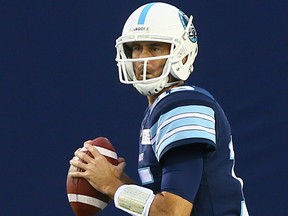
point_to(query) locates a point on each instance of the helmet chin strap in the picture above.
(149, 89)
(174, 84)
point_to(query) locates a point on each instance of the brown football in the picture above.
(83, 198)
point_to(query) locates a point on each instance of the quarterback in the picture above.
(186, 156)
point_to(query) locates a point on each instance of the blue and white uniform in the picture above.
(186, 149)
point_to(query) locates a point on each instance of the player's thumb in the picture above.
(121, 166)
(120, 160)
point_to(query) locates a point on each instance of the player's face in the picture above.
(149, 49)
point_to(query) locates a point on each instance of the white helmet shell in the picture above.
(159, 22)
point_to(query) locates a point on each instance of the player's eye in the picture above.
(136, 48)
(155, 49)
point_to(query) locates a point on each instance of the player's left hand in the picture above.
(101, 174)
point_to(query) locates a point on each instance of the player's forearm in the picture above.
(169, 204)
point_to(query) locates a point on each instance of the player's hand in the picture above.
(101, 174)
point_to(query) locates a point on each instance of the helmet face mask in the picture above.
(170, 26)
(126, 65)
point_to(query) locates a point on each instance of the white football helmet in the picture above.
(159, 22)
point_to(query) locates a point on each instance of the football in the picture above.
(83, 198)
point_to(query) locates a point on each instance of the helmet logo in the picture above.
(192, 31)
(139, 28)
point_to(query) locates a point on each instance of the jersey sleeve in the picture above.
(182, 170)
(183, 118)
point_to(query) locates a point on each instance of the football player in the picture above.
(186, 156)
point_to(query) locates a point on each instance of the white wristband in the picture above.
(134, 199)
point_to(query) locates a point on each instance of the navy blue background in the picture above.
(59, 87)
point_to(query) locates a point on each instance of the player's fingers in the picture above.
(82, 155)
(81, 160)
(87, 141)
(74, 157)
(76, 174)
(92, 150)
(78, 164)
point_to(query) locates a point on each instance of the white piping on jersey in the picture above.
(179, 129)
(182, 116)
(186, 115)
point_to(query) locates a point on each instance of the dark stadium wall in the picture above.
(59, 87)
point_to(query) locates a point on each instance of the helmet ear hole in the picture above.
(184, 60)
